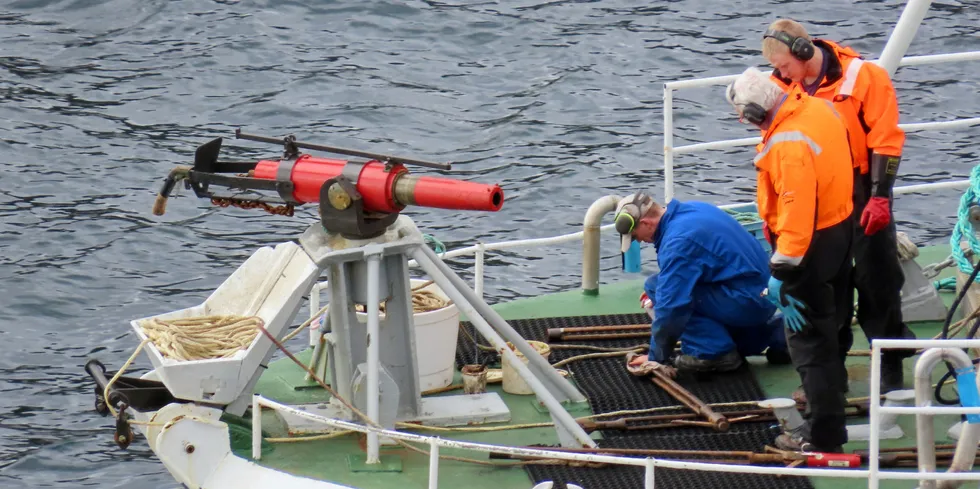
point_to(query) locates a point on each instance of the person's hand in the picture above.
(766, 232)
(645, 302)
(790, 306)
(876, 215)
(667, 370)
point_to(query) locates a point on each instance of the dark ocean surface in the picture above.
(559, 102)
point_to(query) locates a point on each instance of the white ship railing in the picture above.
(874, 473)
(670, 87)
(479, 250)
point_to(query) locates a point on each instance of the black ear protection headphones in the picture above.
(751, 112)
(801, 48)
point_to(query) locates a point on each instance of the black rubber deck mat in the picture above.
(610, 387)
(740, 437)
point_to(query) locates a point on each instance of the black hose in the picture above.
(959, 298)
(945, 334)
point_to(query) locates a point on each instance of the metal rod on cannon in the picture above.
(344, 151)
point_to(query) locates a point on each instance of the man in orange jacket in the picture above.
(804, 187)
(863, 95)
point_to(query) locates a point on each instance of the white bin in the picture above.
(513, 383)
(435, 341)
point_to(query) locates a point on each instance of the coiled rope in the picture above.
(963, 228)
(422, 300)
(744, 217)
(202, 338)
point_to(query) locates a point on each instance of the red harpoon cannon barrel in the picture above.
(386, 191)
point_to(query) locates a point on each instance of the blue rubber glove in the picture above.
(790, 306)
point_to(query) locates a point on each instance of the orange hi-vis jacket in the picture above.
(805, 176)
(863, 95)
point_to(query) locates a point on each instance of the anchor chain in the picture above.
(932, 270)
(279, 210)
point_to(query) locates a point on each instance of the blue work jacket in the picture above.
(699, 245)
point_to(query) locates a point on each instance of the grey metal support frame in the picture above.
(560, 387)
(570, 433)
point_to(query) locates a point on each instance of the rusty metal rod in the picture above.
(649, 452)
(864, 451)
(896, 459)
(599, 337)
(662, 421)
(621, 424)
(684, 396)
(732, 457)
(557, 333)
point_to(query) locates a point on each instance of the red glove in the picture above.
(876, 215)
(766, 233)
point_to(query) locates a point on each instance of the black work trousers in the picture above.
(823, 283)
(878, 276)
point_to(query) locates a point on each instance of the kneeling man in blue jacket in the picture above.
(708, 293)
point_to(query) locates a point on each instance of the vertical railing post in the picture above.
(898, 43)
(648, 474)
(668, 143)
(433, 463)
(256, 428)
(874, 416)
(481, 251)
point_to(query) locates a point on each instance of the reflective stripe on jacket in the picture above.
(805, 176)
(863, 95)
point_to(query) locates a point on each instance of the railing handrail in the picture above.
(649, 462)
(906, 61)
(671, 86)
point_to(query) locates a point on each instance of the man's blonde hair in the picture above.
(772, 46)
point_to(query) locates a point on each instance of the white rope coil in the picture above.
(907, 250)
(202, 338)
(422, 301)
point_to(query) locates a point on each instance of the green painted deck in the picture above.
(328, 459)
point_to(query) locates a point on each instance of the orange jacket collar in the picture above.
(794, 100)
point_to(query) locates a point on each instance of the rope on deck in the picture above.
(963, 230)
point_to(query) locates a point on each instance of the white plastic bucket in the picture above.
(513, 383)
(435, 341)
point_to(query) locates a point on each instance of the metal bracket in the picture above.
(290, 149)
(283, 174)
(352, 170)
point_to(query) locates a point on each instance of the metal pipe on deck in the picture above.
(563, 420)
(590, 241)
(558, 385)
(925, 431)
